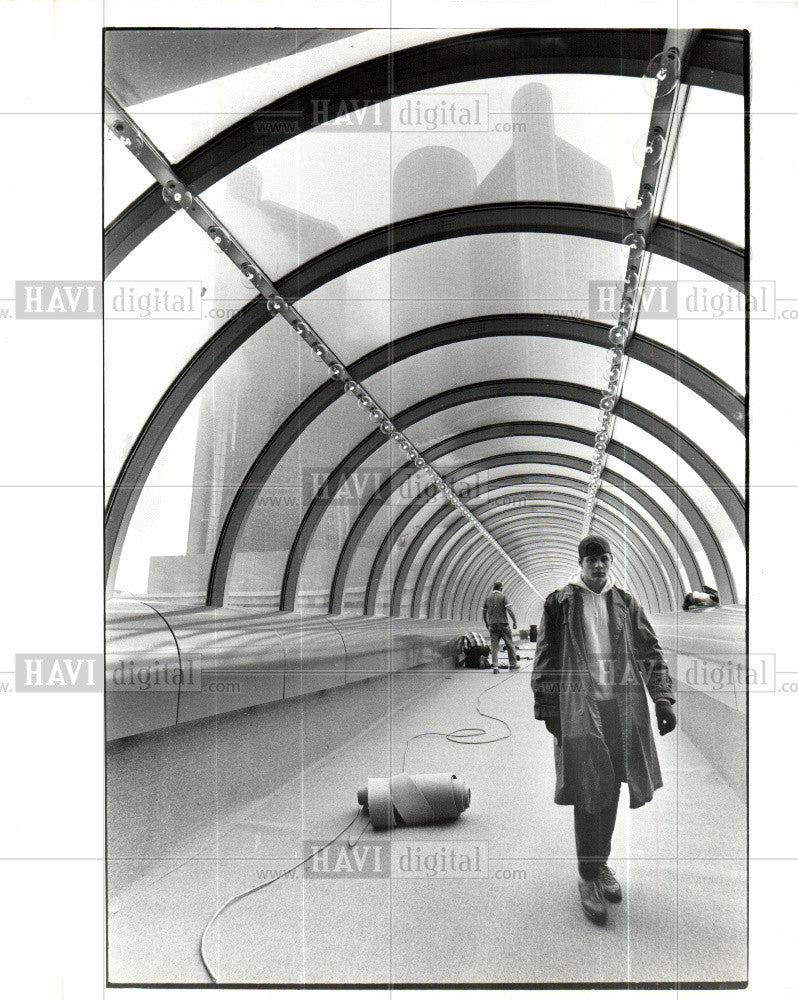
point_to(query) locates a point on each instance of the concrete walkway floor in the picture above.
(489, 899)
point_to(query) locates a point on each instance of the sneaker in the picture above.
(515, 667)
(592, 900)
(610, 886)
(495, 670)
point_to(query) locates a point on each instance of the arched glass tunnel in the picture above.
(393, 315)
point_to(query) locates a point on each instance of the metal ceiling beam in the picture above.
(693, 516)
(708, 254)
(666, 116)
(479, 577)
(447, 576)
(209, 358)
(503, 431)
(436, 552)
(438, 519)
(717, 61)
(611, 508)
(643, 566)
(707, 471)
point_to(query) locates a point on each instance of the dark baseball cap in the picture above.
(593, 545)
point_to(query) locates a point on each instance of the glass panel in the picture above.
(694, 417)
(712, 133)
(506, 408)
(728, 538)
(701, 318)
(672, 464)
(633, 436)
(358, 490)
(171, 538)
(455, 280)
(486, 449)
(632, 504)
(721, 524)
(494, 359)
(257, 574)
(544, 138)
(660, 497)
(180, 121)
(377, 531)
(360, 567)
(163, 302)
(322, 555)
(124, 177)
(159, 529)
(263, 544)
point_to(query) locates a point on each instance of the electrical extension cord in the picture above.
(467, 736)
(263, 885)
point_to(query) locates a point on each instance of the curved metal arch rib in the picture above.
(481, 584)
(652, 577)
(420, 581)
(716, 60)
(655, 583)
(472, 610)
(706, 384)
(712, 256)
(713, 390)
(609, 507)
(657, 564)
(559, 546)
(449, 600)
(487, 569)
(571, 483)
(503, 431)
(437, 518)
(692, 514)
(658, 428)
(207, 360)
(504, 482)
(612, 503)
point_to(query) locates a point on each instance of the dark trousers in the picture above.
(594, 830)
(498, 632)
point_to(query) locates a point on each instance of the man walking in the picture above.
(494, 613)
(596, 656)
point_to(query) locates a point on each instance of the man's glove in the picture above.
(666, 717)
(553, 726)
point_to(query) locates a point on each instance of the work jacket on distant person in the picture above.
(563, 689)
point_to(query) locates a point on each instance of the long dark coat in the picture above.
(563, 689)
